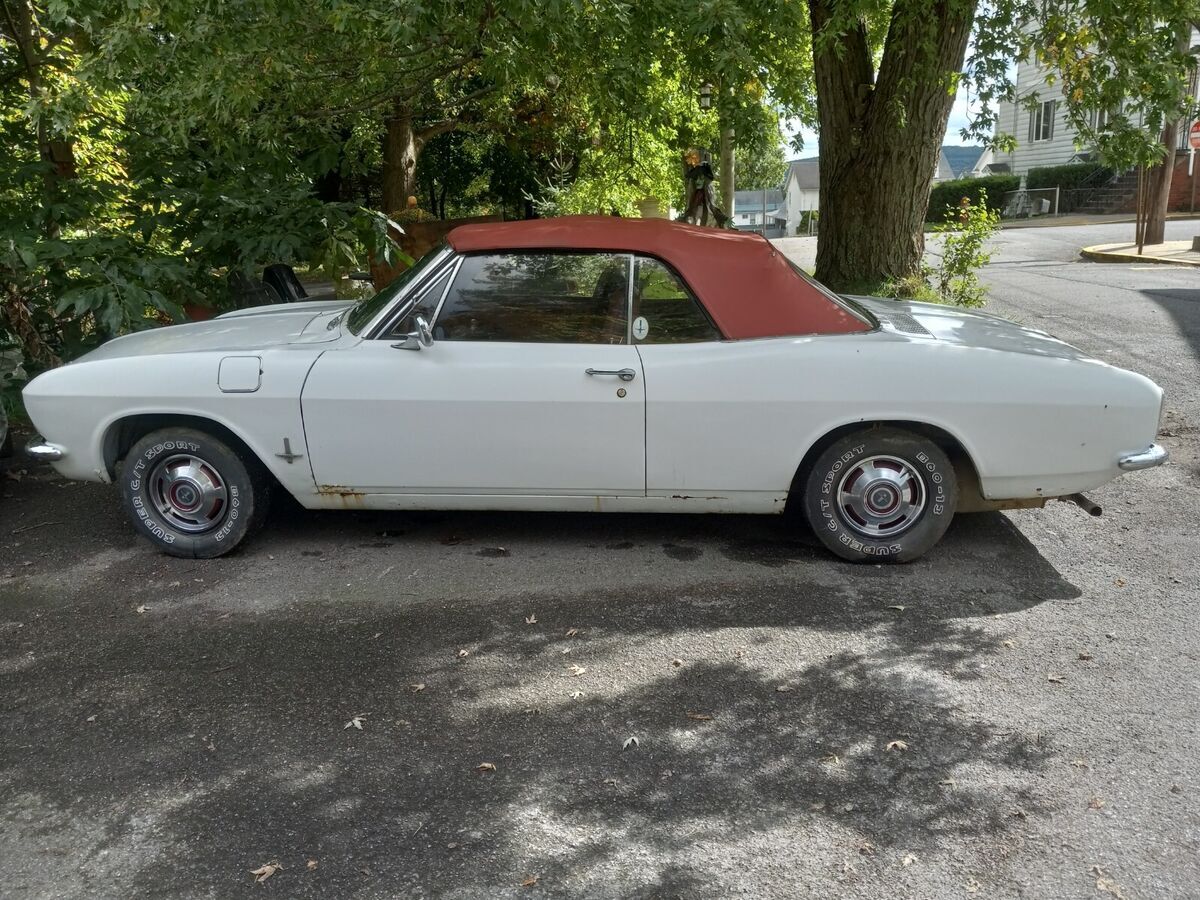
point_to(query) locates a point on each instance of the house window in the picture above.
(1097, 119)
(1041, 121)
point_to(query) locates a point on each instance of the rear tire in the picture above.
(881, 495)
(192, 494)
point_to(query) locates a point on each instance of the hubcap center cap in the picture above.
(186, 495)
(882, 498)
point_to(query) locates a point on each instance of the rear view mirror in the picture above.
(422, 337)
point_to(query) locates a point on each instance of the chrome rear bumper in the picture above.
(1155, 455)
(40, 450)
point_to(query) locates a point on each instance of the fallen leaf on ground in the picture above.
(356, 722)
(831, 759)
(783, 689)
(377, 635)
(1080, 763)
(630, 742)
(897, 745)
(263, 872)
(311, 864)
(418, 687)
(577, 695)
(530, 881)
(531, 619)
(866, 848)
(908, 860)
(1096, 803)
(91, 718)
(1055, 679)
(464, 653)
(571, 632)
(141, 609)
(486, 767)
(1105, 883)
(1085, 656)
(972, 886)
(576, 671)
(1008, 644)
(677, 663)
(700, 717)
(897, 607)
(1119, 582)
(948, 782)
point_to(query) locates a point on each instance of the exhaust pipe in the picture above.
(1091, 507)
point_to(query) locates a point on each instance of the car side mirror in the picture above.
(422, 337)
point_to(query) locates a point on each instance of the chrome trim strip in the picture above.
(40, 450)
(1155, 455)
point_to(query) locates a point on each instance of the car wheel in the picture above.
(191, 494)
(881, 494)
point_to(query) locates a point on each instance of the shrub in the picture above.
(1066, 178)
(989, 191)
(954, 280)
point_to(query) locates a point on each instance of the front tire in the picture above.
(881, 495)
(192, 494)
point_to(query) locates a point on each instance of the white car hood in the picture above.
(264, 327)
(955, 325)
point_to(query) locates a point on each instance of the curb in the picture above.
(1104, 256)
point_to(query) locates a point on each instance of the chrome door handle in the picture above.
(623, 374)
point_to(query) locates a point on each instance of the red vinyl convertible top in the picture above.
(744, 282)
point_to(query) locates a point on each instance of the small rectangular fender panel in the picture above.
(240, 374)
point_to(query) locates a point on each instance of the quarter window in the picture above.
(664, 310)
(542, 298)
(425, 306)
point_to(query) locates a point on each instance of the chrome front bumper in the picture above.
(42, 451)
(1156, 455)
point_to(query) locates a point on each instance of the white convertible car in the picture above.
(596, 363)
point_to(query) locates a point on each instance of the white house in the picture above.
(801, 191)
(1044, 137)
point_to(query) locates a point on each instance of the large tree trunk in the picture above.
(401, 147)
(880, 137)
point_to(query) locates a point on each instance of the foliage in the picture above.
(954, 279)
(946, 196)
(761, 162)
(1067, 178)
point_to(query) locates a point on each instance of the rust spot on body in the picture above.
(337, 490)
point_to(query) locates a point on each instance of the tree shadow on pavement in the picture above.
(791, 730)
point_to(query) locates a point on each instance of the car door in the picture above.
(531, 386)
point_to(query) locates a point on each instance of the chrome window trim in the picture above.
(378, 326)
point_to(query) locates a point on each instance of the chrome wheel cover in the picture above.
(189, 493)
(881, 496)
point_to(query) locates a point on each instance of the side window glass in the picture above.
(541, 298)
(425, 307)
(664, 310)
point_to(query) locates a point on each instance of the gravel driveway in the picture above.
(462, 705)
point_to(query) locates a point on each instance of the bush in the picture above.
(1066, 178)
(989, 191)
(954, 280)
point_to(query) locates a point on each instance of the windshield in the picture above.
(368, 309)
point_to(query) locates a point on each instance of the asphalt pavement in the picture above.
(492, 705)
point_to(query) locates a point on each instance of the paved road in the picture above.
(167, 726)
